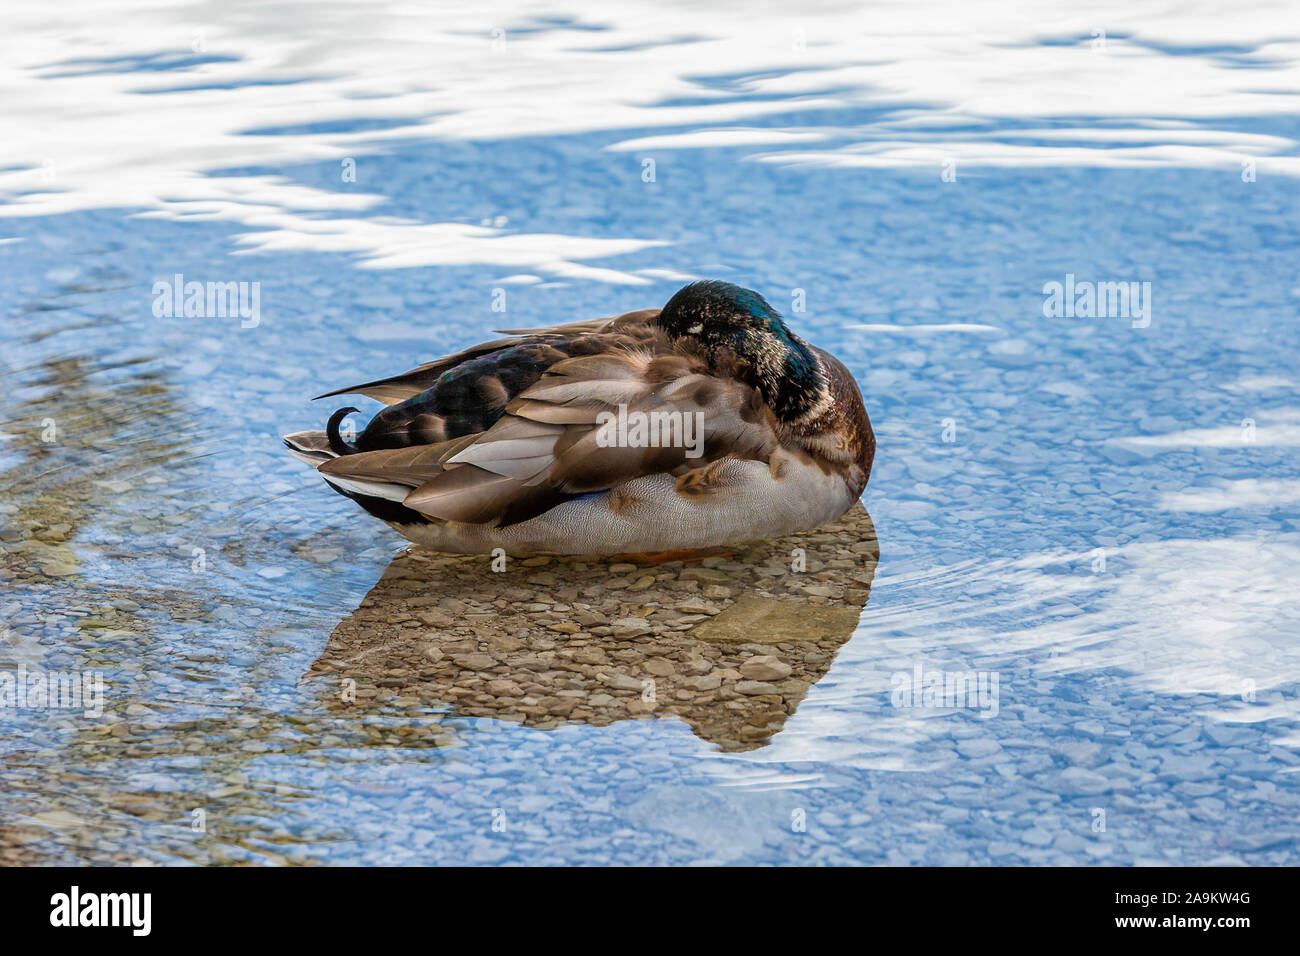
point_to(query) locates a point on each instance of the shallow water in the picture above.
(1100, 513)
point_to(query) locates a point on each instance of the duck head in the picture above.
(738, 333)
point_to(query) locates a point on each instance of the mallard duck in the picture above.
(698, 425)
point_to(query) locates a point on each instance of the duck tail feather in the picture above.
(337, 444)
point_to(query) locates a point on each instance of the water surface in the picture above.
(1100, 511)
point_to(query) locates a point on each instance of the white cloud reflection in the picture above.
(150, 106)
(1175, 617)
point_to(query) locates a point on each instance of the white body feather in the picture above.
(649, 514)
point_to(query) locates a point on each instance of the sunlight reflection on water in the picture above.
(1078, 506)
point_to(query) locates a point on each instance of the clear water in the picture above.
(1103, 516)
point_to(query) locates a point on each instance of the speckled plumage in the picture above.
(501, 445)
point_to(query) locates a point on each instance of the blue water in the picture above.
(1107, 517)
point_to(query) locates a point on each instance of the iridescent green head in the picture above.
(736, 330)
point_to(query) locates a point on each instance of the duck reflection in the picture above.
(730, 644)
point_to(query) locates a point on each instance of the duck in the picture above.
(704, 424)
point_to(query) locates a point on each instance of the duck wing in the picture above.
(559, 439)
(399, 388)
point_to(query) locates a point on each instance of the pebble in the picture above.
(630, 627)
(978, 747)
(1082, 753)
(474, 662)
(765, 667)
(621, 681)
(1078, 781)
(660, 667)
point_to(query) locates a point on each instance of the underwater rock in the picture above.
(450, 633)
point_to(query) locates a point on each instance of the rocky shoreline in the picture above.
(730, 644)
